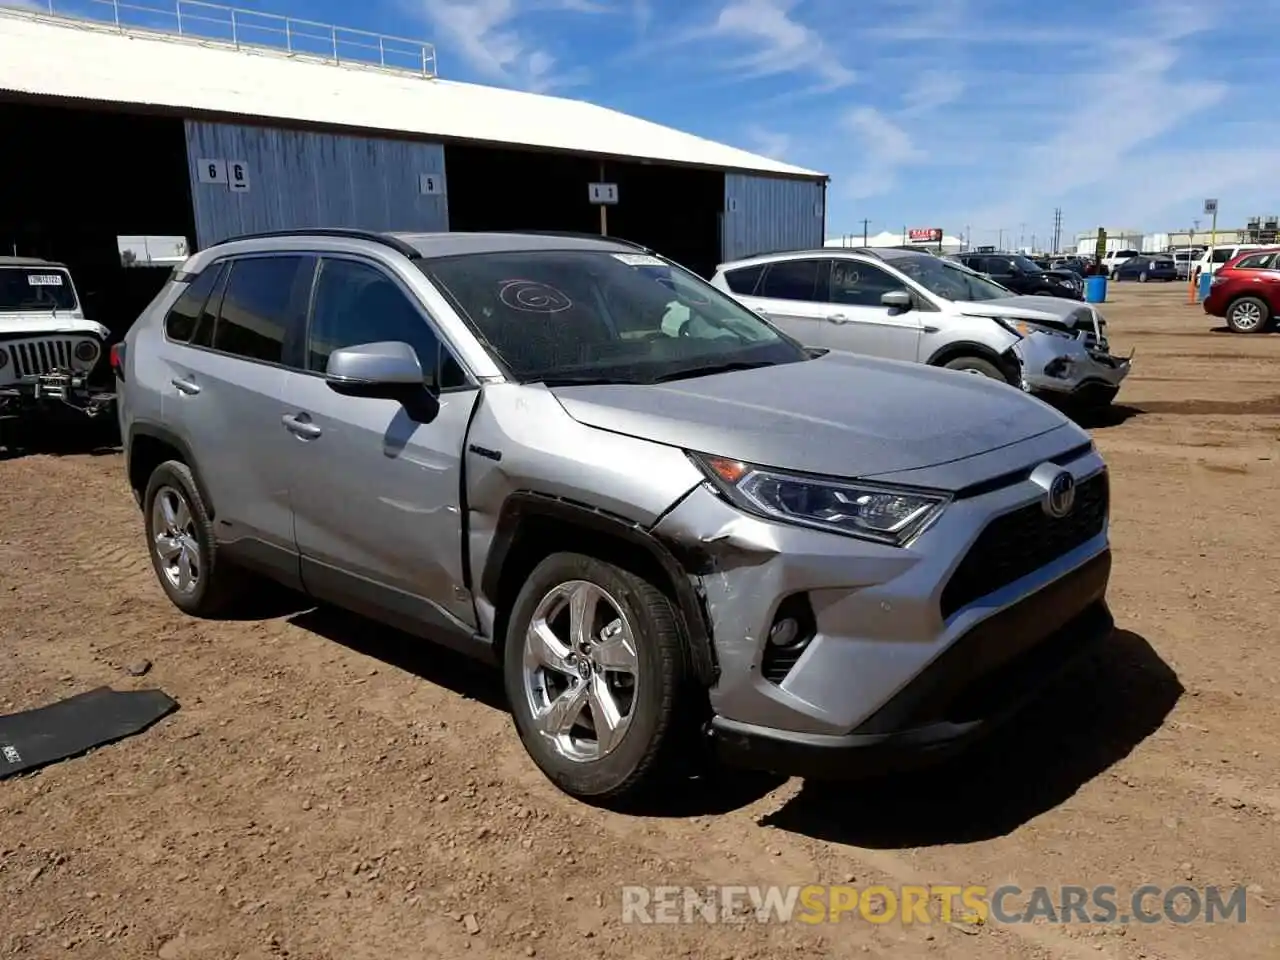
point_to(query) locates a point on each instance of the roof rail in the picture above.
(578, 235)
(387, 240)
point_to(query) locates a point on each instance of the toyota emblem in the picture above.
(1061, 495)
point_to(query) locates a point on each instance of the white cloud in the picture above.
(483, 33)
(884, 146)
(777, 43)
(931, 90)
(769, 143)
(1139, 93)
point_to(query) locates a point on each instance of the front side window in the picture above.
(592, 315)
(36, 288)
(949, 280)
(1223, 254)
(265, 299)
(860, 284)
(793, 280)
(357, 303)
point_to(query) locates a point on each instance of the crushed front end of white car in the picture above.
(49, 351)
(1064, 351)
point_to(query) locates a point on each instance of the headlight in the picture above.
(885, 514)
(86, 351)
(1024, 328)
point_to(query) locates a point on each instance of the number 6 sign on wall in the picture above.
(212, 171)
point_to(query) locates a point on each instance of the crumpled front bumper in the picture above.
(1079, 368)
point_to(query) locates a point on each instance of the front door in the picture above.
(376, 493)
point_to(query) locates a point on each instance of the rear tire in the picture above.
(1248, 315)
(628, 666)
(976, 365)
(182, 547)
(1142, 277)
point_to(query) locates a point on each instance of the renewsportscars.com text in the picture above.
(1006, 904)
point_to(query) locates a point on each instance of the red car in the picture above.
(1246, 291)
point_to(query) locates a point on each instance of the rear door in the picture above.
(792, 295)
(226, 395)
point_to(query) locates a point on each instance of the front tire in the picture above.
(976, 365)
(183, 549)
(596, 670)
(1248, 315)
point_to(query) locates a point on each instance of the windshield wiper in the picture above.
(706, 371)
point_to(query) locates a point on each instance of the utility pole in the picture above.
(1022, 236)
(968, 237)
(864, 231)
(1000, 238)
(1057, 229)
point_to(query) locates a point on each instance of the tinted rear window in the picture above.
(181, 321)
(744, 279)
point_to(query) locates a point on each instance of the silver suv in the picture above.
(669, 523)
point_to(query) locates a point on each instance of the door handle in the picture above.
(299, 427)
(186, 386)
(838, 317)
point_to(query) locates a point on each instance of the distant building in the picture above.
(1117, 239)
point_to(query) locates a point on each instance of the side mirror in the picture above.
(387, 370)
(896, 300)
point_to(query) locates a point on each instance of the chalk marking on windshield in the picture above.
(533, 296)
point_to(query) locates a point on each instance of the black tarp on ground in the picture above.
(68, 728)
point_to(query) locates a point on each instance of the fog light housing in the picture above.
(1058, 368)
(793, 627)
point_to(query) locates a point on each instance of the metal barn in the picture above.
(197, 122)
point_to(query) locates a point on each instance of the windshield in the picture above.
(1027, 265)
(35, 288)
(950, 280)
(590, 315)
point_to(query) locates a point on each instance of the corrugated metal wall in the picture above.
(304, 179)
(764, 214)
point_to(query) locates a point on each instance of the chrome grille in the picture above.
(36, 357)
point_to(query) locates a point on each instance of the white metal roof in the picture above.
(77, 59)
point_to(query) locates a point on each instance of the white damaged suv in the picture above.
(909, 305)
(48, 349)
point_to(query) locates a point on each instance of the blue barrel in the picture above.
(1095, 289)
(1206, 281)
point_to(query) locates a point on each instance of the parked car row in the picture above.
(674, 525)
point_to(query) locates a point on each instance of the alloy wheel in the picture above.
(175, 540)
(581, 670)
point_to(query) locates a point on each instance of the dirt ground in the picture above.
(330, 790)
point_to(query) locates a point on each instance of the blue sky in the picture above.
(983, 114)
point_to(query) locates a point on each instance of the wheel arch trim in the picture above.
(524, 505)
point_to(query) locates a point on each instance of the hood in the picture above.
(36, 323)
(1067, 312)
(840, 415)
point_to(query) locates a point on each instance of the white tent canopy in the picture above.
(891, 239)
